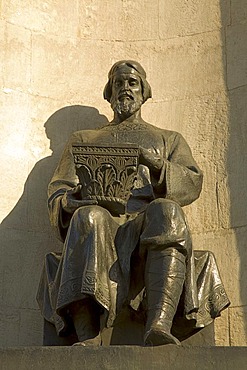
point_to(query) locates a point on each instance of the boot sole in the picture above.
(156, 337)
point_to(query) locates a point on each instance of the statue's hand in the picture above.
(152, 159)
(72, 200)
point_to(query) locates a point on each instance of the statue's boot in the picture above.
(86, 318)
(164, 279)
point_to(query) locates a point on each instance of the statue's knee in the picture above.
(91, 213)
(165, 208)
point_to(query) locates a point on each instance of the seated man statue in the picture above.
(112, 259)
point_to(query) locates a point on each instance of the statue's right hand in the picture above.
(72, 200)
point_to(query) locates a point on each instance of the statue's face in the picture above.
(127, 96)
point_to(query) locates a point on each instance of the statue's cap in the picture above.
(127, 66)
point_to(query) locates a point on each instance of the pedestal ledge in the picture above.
(124, 358)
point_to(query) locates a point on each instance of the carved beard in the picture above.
(126, 106)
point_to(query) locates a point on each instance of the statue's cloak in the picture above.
(118, 279)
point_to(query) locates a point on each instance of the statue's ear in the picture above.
(146, 90)
(107, 91)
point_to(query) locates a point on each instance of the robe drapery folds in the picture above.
(104, 255)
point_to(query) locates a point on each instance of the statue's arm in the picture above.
(176, 175)
(63, 191)
(183, 177)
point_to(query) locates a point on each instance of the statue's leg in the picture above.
(86, 318)
(166, 241)
(164, 278)
(84, 286)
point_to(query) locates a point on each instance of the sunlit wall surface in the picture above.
(55, 56)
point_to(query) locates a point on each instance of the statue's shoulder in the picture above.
(167, 134)
(82, 136)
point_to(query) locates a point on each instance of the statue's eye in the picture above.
(117, 83)
(133, 82)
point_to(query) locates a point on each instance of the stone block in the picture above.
(61, 69)
(237, 156)
(202, 215)
(17, 58)
(9, 326)
(187, 67)
(39, 144)
(20, 327)
(14, 126)
(238, 326)
(31, 325)
(36, 193)
(15, 109)
(122, 20)
(21, 267)
(10, 200)
(238, 12)
(207, 118)
(236, 48)
(221, 328)
(241, 241)
(54, 17)
(124, 357)
(2, 47)
(158, 113)
(183, 17)
(49, 70)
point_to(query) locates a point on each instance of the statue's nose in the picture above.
(126, 85)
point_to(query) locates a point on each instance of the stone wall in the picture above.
(55, 58)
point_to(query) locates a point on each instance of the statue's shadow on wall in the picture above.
(26, 234)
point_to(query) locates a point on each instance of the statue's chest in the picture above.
(148, 139)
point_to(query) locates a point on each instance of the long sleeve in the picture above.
(64, 179)
(181, 178)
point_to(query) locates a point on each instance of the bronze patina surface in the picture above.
(126, 239)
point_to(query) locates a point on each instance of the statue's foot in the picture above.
(96, 342)
(158, 337)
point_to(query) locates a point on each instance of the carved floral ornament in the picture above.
(107, 174)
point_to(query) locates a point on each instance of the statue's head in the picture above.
(127, 88)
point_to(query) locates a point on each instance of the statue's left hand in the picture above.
(151, 159)
(72, 200)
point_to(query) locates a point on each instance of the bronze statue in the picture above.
(119, 252)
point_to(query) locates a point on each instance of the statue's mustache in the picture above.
(125, 94)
